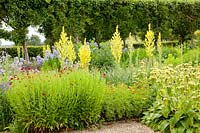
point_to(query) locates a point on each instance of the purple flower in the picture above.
(39, 60)
(4, 86)
(55, 53)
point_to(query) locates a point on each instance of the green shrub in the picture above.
(5, 112)
(175, 52)
(122, 102)
(102, 57)
(49, 101)
(51, 64)
(192, 55)
(120, 76)
(177, 106)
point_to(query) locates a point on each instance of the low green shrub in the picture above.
(119, 75)
(177, 106)
(122, 102)
(137, 55)
(166, 51)
(50, 101)
(102, 57)
(192, 55)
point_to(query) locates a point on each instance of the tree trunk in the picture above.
(26, 52)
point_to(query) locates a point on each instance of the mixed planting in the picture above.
(72, 86)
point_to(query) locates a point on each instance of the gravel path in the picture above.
(120, 127)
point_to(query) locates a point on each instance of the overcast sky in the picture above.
(32, 31)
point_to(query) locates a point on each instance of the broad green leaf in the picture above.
(174, 130)
(172, 122)
(165, 112)
(185, 124)
(181, 130)
(178, 114)
(164, 125)
(189, 131)
(48, 1)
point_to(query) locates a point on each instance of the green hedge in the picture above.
(176, 20)
(33, 51)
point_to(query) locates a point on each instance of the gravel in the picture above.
(130, 126)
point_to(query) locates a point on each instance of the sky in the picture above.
(32, 31)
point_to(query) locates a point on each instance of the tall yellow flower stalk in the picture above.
(130, 41)
(116, 46)
(61, 46)
(71, 55)
(149, 42)
(159, 47)
(84, 55)
(18, 51)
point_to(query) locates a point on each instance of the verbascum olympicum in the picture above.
(116, 46)
(149, 42)
(18, 51)
(61, 47)
(130, 41)
(71, 55)
(84, 55)
(46, 49)
(159, 46)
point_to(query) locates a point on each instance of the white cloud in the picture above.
(34, 31)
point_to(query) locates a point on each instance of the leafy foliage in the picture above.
(5, 109)
(122, 102)
(69, 99)
(177, 104)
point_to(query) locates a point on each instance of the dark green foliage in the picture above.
(12, 51)
(5, 110)
(98, 19)
(35, 51)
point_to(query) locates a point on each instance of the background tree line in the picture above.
(98, 19)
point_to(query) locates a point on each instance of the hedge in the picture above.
(33, 51)
(38, 50)
(175, 19)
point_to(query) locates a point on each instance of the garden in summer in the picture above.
(105, 66)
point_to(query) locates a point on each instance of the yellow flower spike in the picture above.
(61, 46)
(48, 48)
(149, 42)
(84, 55)
(71, 55)
(130, 41)
(116, 46)
(18, 52)
(43, 50)
(159, 46)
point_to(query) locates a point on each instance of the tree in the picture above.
(20, 15)
(34, 40)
